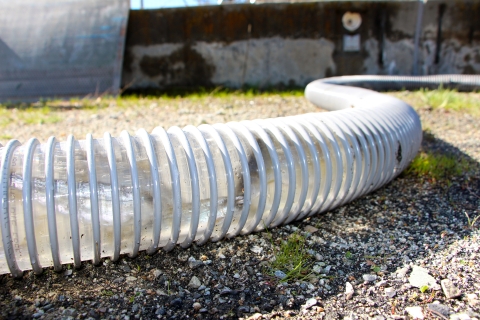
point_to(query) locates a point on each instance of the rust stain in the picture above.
(183, 67)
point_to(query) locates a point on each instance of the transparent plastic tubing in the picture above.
(68, 202)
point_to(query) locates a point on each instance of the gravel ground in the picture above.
(405, 251)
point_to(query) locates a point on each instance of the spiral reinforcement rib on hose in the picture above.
(67, 202)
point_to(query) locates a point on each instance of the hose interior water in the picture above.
(67, 202)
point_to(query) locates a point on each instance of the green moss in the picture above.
(293, 259)
(438, 167)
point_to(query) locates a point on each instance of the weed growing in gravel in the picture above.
(27, 115)
(450, 100)
(292, 259)
(42, 115)
(424, 289)
(471, 222)
(437, 167)
(107, 293)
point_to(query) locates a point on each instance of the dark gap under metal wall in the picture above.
(292, 44)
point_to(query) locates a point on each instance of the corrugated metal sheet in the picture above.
(61, 48)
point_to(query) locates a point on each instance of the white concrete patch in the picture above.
(270, 61)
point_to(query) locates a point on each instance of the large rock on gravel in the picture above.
(420, 278)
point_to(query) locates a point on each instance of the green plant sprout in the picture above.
(292, 259)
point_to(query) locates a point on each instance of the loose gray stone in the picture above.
(256, 249)
(318, 257)
(157, 273)
(317, 269)
(68, 272)
(182, 258)
(420, 277)
(130, 279)
(194, 264)
(309, 303)
(390, 292)
(369, 277)
(310, 229)
(243, 309)
(449, 289)
(119, 280)
(280, 274)
(349, 291)
(194, 283)
(70, 312)
(439, 309)
(401, 273)
(161, 311)
(381, 283)
(135, 307)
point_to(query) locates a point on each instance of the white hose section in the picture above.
(73, 201)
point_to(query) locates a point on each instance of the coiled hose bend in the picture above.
(66, 202)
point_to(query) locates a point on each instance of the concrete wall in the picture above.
(292, 44)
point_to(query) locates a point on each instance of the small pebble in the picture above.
(157, 273)
(390, 292)
(439, 309)
(256, 249)
(197, 306)
(449, 289)
(310, 229)
(309, 303)
(194, 283)
(369, 277)
(280, 274)
(349, 291)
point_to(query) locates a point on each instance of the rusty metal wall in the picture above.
(61, 48)
(291, 44)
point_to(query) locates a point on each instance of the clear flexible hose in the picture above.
(67, 202)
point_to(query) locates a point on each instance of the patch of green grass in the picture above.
(6, 137)
(5, 116)
(107, 293)
(292, 258)
(451, 100)
(437, 167)
(200, 93)
(42, 115)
